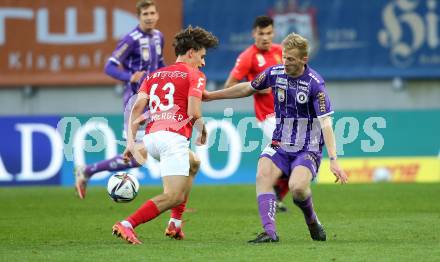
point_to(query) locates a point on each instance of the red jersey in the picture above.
(168, 89)
(250, 63)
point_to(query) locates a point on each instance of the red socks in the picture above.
(145, 213)
(149, 211)
(177, 212)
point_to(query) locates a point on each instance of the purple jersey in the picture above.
(299, 102)
(139, 51)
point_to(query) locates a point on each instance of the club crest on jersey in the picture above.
(301, 97)
(145, 53)
(281, 94)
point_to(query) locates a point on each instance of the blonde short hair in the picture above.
(296, 41)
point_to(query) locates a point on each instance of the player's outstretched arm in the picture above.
(330, 143)
(237, 91)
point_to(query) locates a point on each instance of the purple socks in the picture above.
(113, 164)
(307, 208)
(267, 210)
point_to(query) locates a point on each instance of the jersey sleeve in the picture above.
(144, 85)
(321, 101)
(197, 84)
(122, 50)
(242, 66)
(262, 80)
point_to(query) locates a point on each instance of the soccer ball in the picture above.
(122, 187)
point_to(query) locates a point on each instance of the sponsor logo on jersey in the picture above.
(144, 41)
(171, 74)
(281, 81)
(260, 59)
(281, 94)
(321, 102)
(276, 72)
(121, 50)
(136, 35)
(269, 150)
(303, 85)
(302, 82)
(257, 81)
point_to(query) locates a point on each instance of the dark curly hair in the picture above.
(193, 38)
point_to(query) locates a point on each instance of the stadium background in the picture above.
(381, 60)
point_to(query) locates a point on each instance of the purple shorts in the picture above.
(287, 161)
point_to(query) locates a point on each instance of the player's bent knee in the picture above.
(298, 192)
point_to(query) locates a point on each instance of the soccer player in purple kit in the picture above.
(137, 54)
(304, 124)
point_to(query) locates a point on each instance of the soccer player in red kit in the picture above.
(252, 61)
(173, 95)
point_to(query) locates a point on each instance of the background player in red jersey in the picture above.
(173, 95)
(252, 61)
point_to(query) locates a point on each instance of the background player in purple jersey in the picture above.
(304, 124)
(137, 54)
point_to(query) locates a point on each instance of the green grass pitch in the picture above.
(378, 222)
